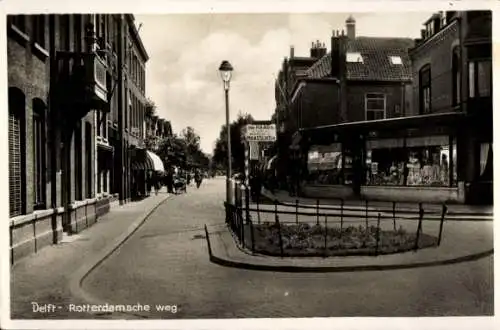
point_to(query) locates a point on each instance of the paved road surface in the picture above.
(165, 262)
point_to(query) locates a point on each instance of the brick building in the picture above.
(410, 148)
(69, 123)
(293, 69)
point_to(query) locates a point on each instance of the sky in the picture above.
(186, 50)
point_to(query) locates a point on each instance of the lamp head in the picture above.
(225, 70)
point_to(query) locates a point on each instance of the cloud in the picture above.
(186, 51)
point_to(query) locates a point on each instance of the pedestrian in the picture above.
(170, 182)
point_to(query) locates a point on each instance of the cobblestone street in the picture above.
(166, 262)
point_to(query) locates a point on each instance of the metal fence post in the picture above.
(326, 233)
(317, 212)
(445, 209)
(366, 214)
(297, 211)
(247, 204)
(258, 211)
(279, 234)
(276, 211)
(394, 215)
(378, 234)
(252, 237)
(341, 216)
(419, 228)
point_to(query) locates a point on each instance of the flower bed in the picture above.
(309, 240)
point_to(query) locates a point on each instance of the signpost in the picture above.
(254, 136)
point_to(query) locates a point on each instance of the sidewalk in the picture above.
(456, 247)
(456, 209)
(45, 277)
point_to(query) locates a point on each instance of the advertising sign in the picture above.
(260, 133)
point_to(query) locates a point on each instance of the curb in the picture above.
(77, 278)
(340, 269)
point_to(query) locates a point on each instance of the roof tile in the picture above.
(376, 64)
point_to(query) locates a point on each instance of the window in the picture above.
(375, 106)
(396, 60)
(88, 158)
(456, 80)
(64, 32)
(39, 153)
(480, 78)
(324, 165)
(39, 29)
(19, 21)
(17, 186)
(354, 58)
(425, 89)
(78, 162)
(77, 30)
(425, 161)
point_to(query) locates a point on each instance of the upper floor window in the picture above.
(375, 106)
(354, 58)
(456, 80)
(39, 29)
(396, 60)
(39, 153)
(425, 89)
(480, 78)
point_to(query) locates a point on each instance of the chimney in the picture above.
(351, 27)
(321, 50)
(338, 56)
(314, 50)
(292, 52)
(423, 34)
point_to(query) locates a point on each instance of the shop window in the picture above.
(64, 32)
(77, 31)
(39, 154)
(480, 78)
(324, 165)
(425, 89)
(422, 162)
(456, 77)
(375, 106)
(38, 32)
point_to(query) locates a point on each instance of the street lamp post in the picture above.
(225, 70)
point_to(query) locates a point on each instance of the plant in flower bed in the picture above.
(309, 240)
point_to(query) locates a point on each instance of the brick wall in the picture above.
(437, 52)
(356, 99)
(319, 104)
(28, 71)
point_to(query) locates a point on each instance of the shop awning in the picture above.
(147, 161)
(447, 118)
(271, 163)
(156, 162)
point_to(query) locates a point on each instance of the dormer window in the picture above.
(396, 60)
(354, 58)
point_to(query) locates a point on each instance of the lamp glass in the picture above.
(225, 75)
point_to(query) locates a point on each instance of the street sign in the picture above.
(260, 133)
(254, 150)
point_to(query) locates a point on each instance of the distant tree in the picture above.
(173, 151)
(237, 148)
(150, 109)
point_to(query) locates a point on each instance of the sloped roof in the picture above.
(376, 64)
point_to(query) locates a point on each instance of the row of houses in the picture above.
(78, 122)
(392, 118)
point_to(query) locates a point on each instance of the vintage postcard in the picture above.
(260, 165)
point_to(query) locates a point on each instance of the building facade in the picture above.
(432, 142)
(70, 80)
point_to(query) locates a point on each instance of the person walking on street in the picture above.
(198, 178)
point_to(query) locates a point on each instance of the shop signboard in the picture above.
(260, 133)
